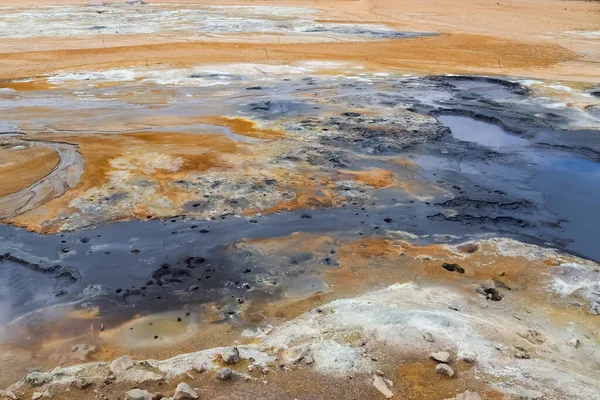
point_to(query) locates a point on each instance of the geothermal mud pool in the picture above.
(336, 224)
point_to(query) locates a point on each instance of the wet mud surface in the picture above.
(438, 159)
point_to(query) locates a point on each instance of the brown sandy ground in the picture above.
(527, 38)
(22, 164)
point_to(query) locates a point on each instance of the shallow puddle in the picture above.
(484, 133)
(571, 188)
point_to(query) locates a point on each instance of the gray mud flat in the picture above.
(508, 165)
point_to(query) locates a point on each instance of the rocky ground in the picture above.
(229, 202)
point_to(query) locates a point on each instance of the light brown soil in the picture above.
(526, 38)
(21, 168)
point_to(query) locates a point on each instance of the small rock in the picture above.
(138, 394)
(224, 374)
(158, 396)
(262, 367)
(199, 368)
(231, 356)
(441, 356)
(184, 392)
(121, 364)
(428, 337)
(382, 385)
(453, 268)
(309, 359)
(444, 369)
(36, 395)
(574, 342)
(38, 378)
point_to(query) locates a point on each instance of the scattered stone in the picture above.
(574, 342)
(199, 368)
(382, 385)
(224, 374)
(262, 367)
(441, 356)
(158, 396)
(231, 356)
(138, 394)
(121, 364)
(308, 359)
(36, 395)
(453, 268)
(428, 337)
(184, 392)
(444, 369)
(38, 378)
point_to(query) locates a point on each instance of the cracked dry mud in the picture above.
(303, 227)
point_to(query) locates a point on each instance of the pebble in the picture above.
(441, 356)
(428, 337)
(138, 394)
(231, 356)
(185, 392)
(224, 374)
(382, 385)
(444, 369)
(200, 368)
